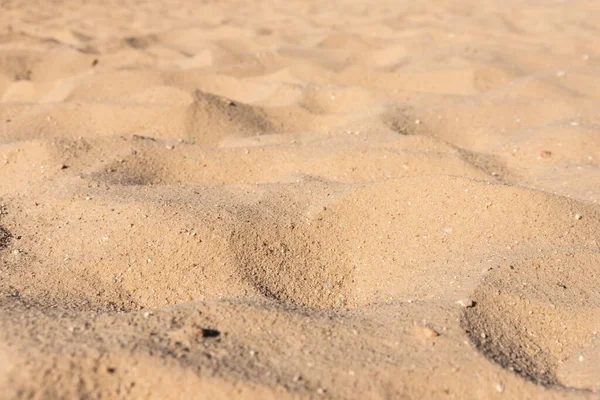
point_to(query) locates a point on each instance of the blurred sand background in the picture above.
(299, 199)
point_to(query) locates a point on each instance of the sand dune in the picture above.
(299, 199)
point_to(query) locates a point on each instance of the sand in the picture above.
(299, 199)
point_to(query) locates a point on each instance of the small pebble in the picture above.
(465, 303)
(578, 216)
(147, 314)
(426, 332)
(500, 388)
(546, 154)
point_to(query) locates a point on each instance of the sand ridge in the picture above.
(299, 199)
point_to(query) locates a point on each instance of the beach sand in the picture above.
(299, 199)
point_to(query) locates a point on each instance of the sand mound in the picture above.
(299, 200)
(211, 116)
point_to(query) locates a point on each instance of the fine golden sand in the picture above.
(299, 199)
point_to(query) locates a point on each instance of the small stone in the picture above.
(147, 314)
(578, 216)
(88, 198)
(580, 358)
(465, 303)
(426, 332)
(546, 154)
(500, 388)
(169, 147)
(16, 252)
(210, 333)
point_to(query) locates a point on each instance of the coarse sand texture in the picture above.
(299, 199)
